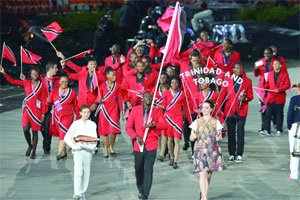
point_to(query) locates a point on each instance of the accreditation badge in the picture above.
(58, 105)
(38, 104)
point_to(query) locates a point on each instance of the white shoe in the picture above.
(267, 133)
(278, 134)
(76, 197)
(231, 158)
(239, 159)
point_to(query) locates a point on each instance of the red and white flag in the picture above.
(81, 55)
(8, 54)
(94, 82)
(260, 93)
(175, 35)
(29, 57)
(52, 31)
(211, 64)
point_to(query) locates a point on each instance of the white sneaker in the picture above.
(76, 197)
(231, 158)
(261, 132)
(239, 159)
(278, 134)
(267, 133)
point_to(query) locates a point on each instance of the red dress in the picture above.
(109, 118)
(173, 104)
(34, 104)
(62, 119)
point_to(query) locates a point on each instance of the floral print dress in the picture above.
(207, 152)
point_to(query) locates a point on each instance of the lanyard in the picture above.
(207, 95)
(111, 91)
(174, 97)
(224, 60)
(61, 96)
(33, 88)
(51, 83)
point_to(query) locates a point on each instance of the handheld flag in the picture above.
(52, 31)
(29, 57)
(211, 64)
(94, 82)
(81, 55)
(8, 54)
(260, 93)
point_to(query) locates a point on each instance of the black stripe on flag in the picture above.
(174, 125)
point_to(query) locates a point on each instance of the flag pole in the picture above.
(264, 89)
(2, 53)
(21, 60)
(157, 82)
(74, 56)
(53, 47)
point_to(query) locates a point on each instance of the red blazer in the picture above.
(85, 96)
(233, 99)
(261, 71)
(235, 57)
(130, 83)
(109, 62)
(134, 126)
(283, 84)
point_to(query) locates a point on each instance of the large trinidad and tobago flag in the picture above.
(52, 31)
(176, 32)
(29, 57)
(8, 54)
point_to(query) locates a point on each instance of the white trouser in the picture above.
(82, 166)
(294, 162)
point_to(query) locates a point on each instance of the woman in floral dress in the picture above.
(206, 132)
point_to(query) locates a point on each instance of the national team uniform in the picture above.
(173, 112)
(109, 110)
(63, 109)
(34, 104)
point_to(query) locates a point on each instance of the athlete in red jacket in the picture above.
(174, 100)
(116, 61)
(226, 58)
(278, 82)
(262, 68)
(64, 106)
(110, 110)
(236, 108)
(34, 107)
(135, 127)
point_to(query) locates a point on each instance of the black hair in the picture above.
(166, 74)
(237, 63)
(90, 58)
(176, 78)
(194, 53)
(278, 61)
(269, 49)
(108, 70)
(34, 69)
(229, 41)
(147, 58)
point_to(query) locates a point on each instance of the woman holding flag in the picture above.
(34, 107)
(110, 110)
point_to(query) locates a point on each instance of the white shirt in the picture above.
(79, 128)
(193, 126)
